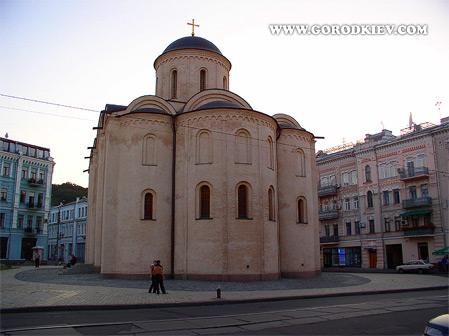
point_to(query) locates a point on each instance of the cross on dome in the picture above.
(193, 26)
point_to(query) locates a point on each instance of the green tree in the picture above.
(66, 193)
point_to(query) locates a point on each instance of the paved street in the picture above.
(28, 289)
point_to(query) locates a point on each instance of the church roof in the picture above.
(192, 42)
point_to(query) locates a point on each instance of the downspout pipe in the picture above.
(173, 201)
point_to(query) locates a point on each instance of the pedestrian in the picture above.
(444, 262)
(37, 260)
(159, 274)
(153, 278)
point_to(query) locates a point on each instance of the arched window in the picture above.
(270, 153)
(202, 80)
(302, 210)
(225, 83)
(301, 162)
(368, 173)
(204, 147)
(271, 204)
(149, 150)
(174, 84)
(204, 202)
(242, 148)
(369, 199)
(242, 196)
(148, 206)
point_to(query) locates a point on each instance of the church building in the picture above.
(195, 177)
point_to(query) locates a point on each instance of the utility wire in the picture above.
(49, 103)
(51, 114)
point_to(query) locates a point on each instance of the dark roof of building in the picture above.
(219, 104)
(192, 42)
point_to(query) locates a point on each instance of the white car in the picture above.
(419, 266)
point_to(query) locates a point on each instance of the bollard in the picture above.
(218, 292)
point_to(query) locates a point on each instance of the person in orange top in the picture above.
(159, 274)
(153, 278)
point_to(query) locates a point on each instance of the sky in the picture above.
(89, 53)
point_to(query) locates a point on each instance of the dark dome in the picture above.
(192, 42)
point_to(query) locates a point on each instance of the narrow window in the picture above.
(204, 202)
(4, 194)
(242, 202)
(372, 228)
(225, 83)
(174, 84)
(242, 148)
(270, 204)
(301, 163)
(270, 153)
(368, 174)
(148, 208)
(149, 150)
(204, 147)
(302, 211)
(202, 80)
(348, 228)
(370, 200)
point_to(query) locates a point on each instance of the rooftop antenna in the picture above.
(383, 125)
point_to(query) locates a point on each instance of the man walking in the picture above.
(159, 274)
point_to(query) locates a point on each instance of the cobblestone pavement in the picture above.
(325, 280)
(29, 289)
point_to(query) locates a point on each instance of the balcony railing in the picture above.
(329, 239)
(419, 231)
(32, 231)
(327, 191)
(332, 214)
(416, 202)
(35, 183)
(418, 172)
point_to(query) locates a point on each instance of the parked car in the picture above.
(438, 326)
(419, 266)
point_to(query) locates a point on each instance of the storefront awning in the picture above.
(415, 213)
(443, 251)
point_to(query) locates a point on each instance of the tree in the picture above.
(66, 193)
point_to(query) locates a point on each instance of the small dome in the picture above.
(192, 42)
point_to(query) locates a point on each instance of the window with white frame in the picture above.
(345, 178)
(347, 204)
(393, 168)
(383, 170)
(356, 202)
(421, 160)
(386, 197)
(6, 168)
(354, 179)
(332, 180)
(324, 181)
(424, 190)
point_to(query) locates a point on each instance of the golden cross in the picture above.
(193, 26)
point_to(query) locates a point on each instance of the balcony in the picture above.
(332, 214)
(417, 202)
(32, 231)
(327, 191)
(413, 173)
(418, 231)
(35, 183)
(329, 239)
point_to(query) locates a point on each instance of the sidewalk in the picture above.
(43, 290)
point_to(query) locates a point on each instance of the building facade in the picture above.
(67, 230)
(25, 179)
(384, 201)
(195, 177)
